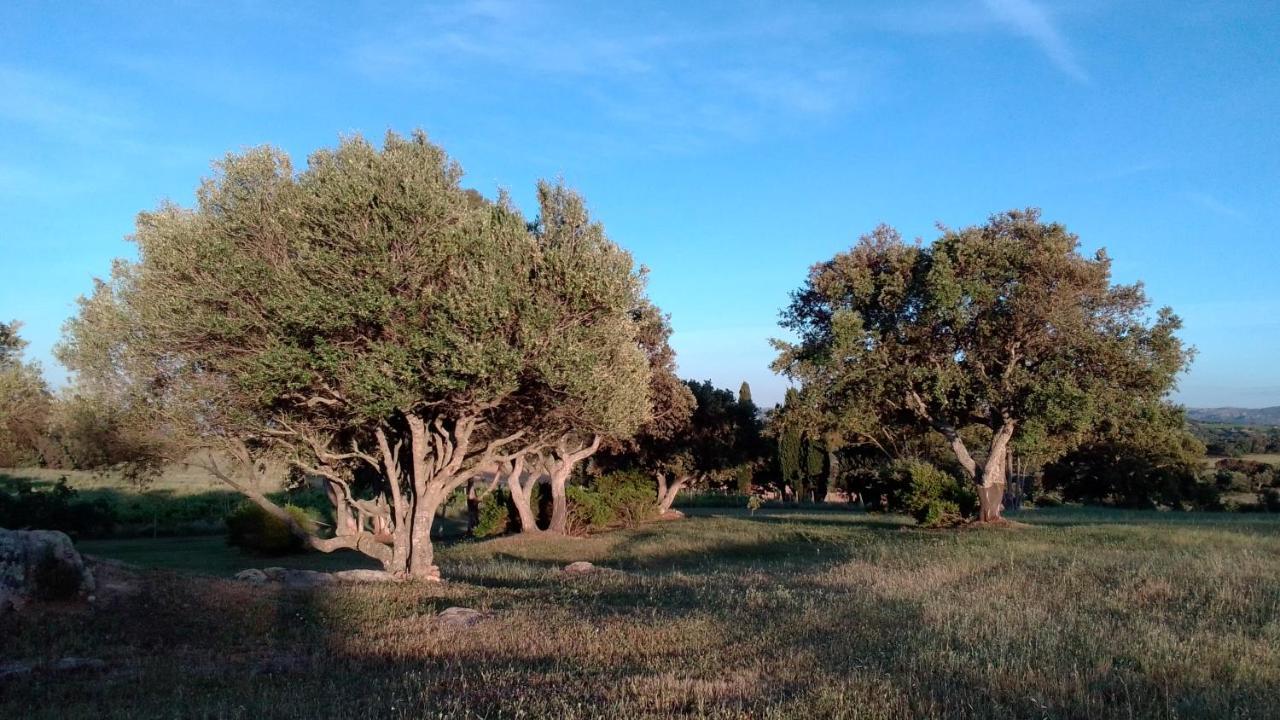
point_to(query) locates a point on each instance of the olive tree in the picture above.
(1002, 331)
(366, 312)
(25, 401)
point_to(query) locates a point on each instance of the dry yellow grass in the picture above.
(784, 615)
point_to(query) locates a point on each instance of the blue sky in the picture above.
(727, 145)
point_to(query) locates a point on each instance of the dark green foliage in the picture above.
(494, 516)
(1269, 499)
(61, 507)
(251, 528)
(1002, 331)
(790, 453)
(1142, 460)
(588, 510)
(712, 500)
(933, 497)
(1230, 481)
(815, 468)
(1126, 475)
(629, 493)
(618, 499)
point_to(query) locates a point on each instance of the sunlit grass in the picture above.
(785, 614)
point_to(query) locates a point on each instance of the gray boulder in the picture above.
(460, 617)
(365, 576)
(305, 578)
(40, 565)
(252, 575)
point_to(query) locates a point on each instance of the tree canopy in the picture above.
(369, 311)
(1003, 328)
(25, 401)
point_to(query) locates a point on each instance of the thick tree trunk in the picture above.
(667, 492)
(421, 553)
(992, 482)
(670, 499)
(473, 505)
(559, 501)
(565, 462)
(522, 496)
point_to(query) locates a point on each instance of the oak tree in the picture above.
(1003, 330)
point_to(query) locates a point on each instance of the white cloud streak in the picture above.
(1033, 21)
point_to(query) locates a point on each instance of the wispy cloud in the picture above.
(52, 104)
(1215, 206)
(1033, 21)
(76, 138)
(675, 84)
(1030, 19)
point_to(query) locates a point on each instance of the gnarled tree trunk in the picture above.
(991, 484)
(564, 460)
(521, 489)
(397, 533)
(667, 492)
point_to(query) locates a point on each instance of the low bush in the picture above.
(251, 528)
(619, 499)
(931, 496)
(494, 515)
(629, 494)
(710, 500)
(61, 507)
(1269, 499)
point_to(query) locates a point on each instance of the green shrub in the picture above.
(712, 499)
(251, 528)
(588, 510)
(1047, 500)
(58, 508)
(619, 499)
(1269, 499)
(931, 496)
(494, 516)
(629, 495)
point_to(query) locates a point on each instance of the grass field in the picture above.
(1083, 614)
(176, 480)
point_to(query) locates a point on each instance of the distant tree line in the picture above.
(1235, 440)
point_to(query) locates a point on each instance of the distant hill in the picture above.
(1237, 416)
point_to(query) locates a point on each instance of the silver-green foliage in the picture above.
(368, 310)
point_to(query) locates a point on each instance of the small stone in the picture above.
(460, 617)
(365, 576)
(75, 664)
(581, 567)
(252, 575)
(15, 668)
(305, 578)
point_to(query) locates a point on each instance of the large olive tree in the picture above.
(366, 312)
(1001, 331)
